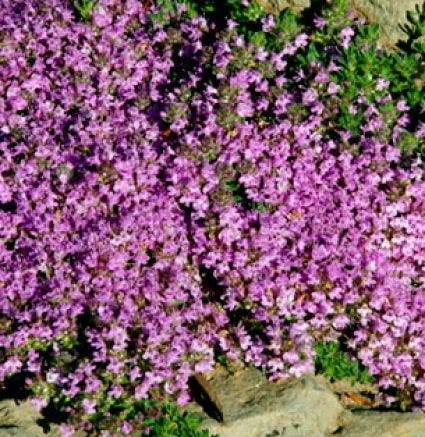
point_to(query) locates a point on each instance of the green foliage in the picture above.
(164, 419)
(84, 9)
(361, 64)
(415, 30)
(218, 10)
(160, 418)
(409, 143)
(160, 415)
(287, 26)
(237, 11)
(334, 363)
(241, 13)
(165, 9)
(237, 190)
(173, 423)
(239, 195)
(247, 17)
(358, 76)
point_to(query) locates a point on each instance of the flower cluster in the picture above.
(167, 191)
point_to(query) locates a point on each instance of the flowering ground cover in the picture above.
(177, 189)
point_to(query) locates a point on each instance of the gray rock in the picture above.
(275, 6)
(255, 407)
(385, 424)
(20, 420)
(390, 14)
(305, 407)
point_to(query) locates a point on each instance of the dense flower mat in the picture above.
(169, 193)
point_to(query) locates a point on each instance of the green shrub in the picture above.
(336, 364)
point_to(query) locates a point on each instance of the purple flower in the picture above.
(231, 24)
(126, 428)
(301, 40)
(382, 84)
(130, 187)
(310, 96)
(322, 76)
(340, 321)
(268, 23)
(420, 132)
(39, 402)
(116, 391)
(346, 34)
(141, 391)
(5, 192)
(66, 430)
(319, 22)
(333, 88)
(244, 109)
(93, 385)
(101, 17)
(203, 366)
(402, 105)
(89, 406)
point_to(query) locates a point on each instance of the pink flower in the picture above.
(126, 428)
(13, 364)
(278, 62)
(141, 391)
(39, 402)
(151, 241)
(5, 192)
(346, 34)
(93, 385)
(301, 40)
(245, 109)
(382, 83)
(403, 121)
(319, 22)
(352, 109)
(183, 398)
(66, 430)
(89, 406)
(322, 76)
(421, 130)
(135, 373)
(268, 23)
(116, 391)
(310, 96)
(203, 366)
(333, 88)
(72, 391)
(52, 377)
(333, 67)
(101, 17)
(340, 321)
(231, 24)
(402, 105)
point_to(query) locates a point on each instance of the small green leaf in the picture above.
(84, 8)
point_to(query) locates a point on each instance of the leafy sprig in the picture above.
(335, 363)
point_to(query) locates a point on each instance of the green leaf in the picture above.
(84, 8)
(337, 364)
